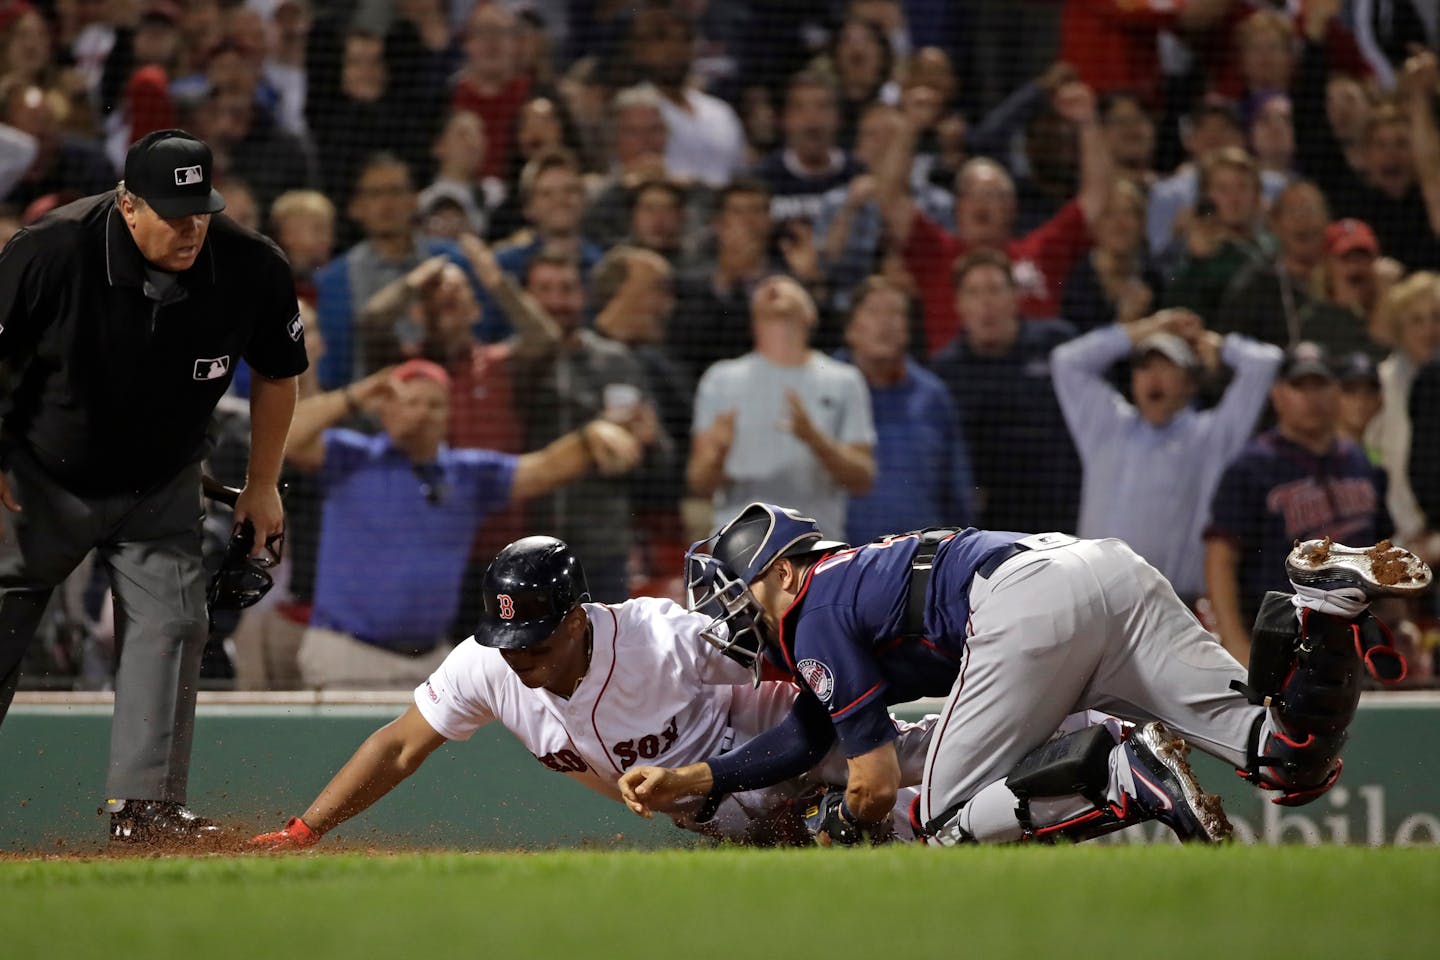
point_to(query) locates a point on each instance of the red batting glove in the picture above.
(297, 835)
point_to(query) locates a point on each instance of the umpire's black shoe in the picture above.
(161, 823)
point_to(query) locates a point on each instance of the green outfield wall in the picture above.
(257, 763)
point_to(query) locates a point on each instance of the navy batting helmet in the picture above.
(719, 571)
(529, 588)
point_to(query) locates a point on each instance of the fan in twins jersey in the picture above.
(592, 690)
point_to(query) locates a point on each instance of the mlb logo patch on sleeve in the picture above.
(212, 369)
(185, 176)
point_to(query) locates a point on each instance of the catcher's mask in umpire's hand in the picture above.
(719, 571)
(529, 588)
(242, 579)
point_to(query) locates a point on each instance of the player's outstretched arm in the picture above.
(648, 789)
(387, 756)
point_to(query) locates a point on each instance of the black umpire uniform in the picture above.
(116, 367)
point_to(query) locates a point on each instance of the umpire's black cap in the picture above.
(529, 588)
(170, 170)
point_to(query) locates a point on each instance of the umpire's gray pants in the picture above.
(149, 545)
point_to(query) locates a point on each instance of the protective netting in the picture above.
(897, 263)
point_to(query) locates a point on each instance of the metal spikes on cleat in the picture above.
(1166, 787)
(1383, 570)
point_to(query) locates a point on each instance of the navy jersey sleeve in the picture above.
(277, 342)
(836, 660)
(786, 750)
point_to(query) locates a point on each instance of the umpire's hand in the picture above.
(260, 504)
(8, 499)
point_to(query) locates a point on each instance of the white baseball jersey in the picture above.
(655, 693)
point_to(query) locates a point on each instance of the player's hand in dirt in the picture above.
(648, 789)
(296, 835)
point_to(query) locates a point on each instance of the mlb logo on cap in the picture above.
(170, 170)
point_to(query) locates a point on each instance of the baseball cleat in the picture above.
(1166, 788)
(1383, 570)
(160, 823)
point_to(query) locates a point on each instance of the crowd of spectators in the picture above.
(1183, 287)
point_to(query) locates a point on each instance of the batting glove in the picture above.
(297, 835)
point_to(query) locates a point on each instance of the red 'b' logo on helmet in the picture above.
(507, 606)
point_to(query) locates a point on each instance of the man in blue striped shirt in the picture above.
(1151, 466)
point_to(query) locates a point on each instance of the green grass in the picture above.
(987, 903)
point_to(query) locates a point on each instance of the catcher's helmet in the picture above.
(529, 588)
(719, 571)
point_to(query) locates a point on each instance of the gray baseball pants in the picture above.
(150, 546)
(1074, 625)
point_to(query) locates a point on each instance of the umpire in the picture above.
(122, 317)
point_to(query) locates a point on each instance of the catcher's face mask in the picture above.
(243, 580)
(737, 620)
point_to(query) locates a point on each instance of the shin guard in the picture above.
(1308, 670)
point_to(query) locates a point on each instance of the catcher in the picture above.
(1017, 631)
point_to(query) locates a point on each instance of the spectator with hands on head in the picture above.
(1154, 458)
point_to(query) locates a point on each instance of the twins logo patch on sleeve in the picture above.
(818, 678)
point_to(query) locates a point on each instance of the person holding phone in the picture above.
(1223, 236)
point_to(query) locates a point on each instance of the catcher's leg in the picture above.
(1310, 651)
(1085, 784)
